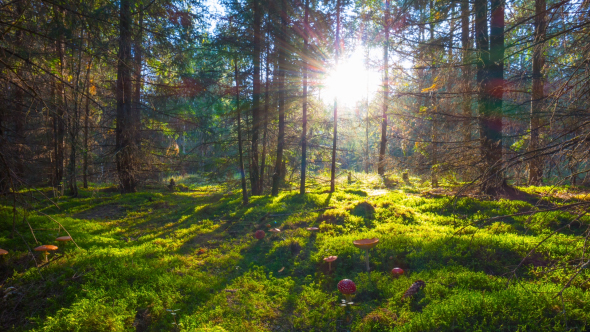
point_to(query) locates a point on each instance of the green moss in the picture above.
(193, 251)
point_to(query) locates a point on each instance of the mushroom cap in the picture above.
(346, 286)
(64, 238)
(397, 271)
(366, 243)
(3, 252)
(274, 230)
(46, 247)
(330, 258)
(312, 228)
(259, 234)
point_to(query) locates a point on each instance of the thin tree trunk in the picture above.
(466, 72)
(335, 136)
(367, 121)
(434, 130)
(535, 165)
(59, 127)
(125, 129)
(74, 128)
(256, 89)
(240, 151)
(86, 124)
(383, 146)
(304, 115)
(276, 177)
(266, 110)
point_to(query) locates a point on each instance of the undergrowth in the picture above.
(141, 256)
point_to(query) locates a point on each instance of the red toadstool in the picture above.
(259, 234)
(347, 287)
(330, 259)
(396, 272)
(46, 248)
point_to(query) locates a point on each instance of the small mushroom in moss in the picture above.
(64, 239)
(259, 234)
(2, 254)
(330, 259)
(396, 272)
(347, 287)
(312, 229)
(46, 248)
(366, 244)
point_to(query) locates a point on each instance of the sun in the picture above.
(351, 81)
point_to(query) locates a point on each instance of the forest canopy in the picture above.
(492, 94)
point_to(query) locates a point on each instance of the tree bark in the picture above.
(266, 111)
(304, 115)
(283, 44)
(466, 72)
(335, 136)
(256, 116)
(491, 121)
(125, 129)
(383, 145)
(58, 119)
(239, 119)
(535, 165)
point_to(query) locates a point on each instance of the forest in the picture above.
(294, 165)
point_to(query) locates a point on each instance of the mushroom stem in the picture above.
(348, 299)
(46, 255)
(367, 259)
(329, 266)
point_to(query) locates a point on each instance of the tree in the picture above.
(126, 130)
(304, 108)
(383, 145)
(535, 163)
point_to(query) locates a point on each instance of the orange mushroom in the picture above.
(64, 239)
(46, 248)
(2, 253)
(330, 259)
(366, 244)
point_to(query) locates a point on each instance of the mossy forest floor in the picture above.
(187, 261)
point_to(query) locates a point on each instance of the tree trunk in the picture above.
(239, 119)
(535, 164)
(125, 129)
(383, 146)
(466, 72)
(86, 125)
(138, 48)
(304, 115)
(58, 120)
(335, 137)
(256, 116)
(282, 40)
(266, 111)
(491, 120)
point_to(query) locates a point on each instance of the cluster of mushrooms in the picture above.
(46, 248)
(345, 286)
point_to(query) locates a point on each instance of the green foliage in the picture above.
(193, 251)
